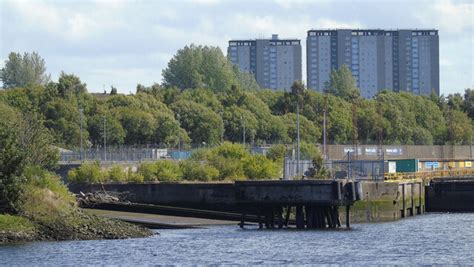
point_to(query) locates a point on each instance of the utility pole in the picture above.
(179, 135)
(325, 156)
(81, 112)
(243, 129)
(297, 137)
(105, 142)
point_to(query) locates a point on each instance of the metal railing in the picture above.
(428, 175)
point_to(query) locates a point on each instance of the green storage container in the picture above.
(407, 165)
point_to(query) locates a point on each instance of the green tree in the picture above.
(342, 84)
(70, 84)
(24, 142)
(199, 67)
(455, 101)
(234, 119)
(468, 105)
(113, 90)
(459, 128)
(168, 131)
(204, 97)
(139, 125)
(245, 80)
(113, 129)
(202, 124)
(308, 131)
(20, 71)
(64, 120)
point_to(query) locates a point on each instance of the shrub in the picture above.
(167, 170)
(117, 174)
(87, 172)
(198, 171)
(230, 151)
(148, 171)
(260, 167)
(41, 178)
(277, 152)
(229, 168)
(134, 177)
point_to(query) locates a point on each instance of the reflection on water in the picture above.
(427, 239)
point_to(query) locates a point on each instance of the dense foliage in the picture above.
(225, 162)
(24, 143)
(202, 102)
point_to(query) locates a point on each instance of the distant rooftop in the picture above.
(273, 38)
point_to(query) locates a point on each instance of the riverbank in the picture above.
(47, 211)
(74, 226)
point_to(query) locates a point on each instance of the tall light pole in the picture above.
(297, 137)
(105, 141)
(179, 135)
(81, 112)
(296, 90)
(325, 156)
(243, 129)
(222, 133)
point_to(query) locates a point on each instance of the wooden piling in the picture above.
(348, 212)
(279, 213)
(327, 214)
(309, 216)
(242, 220)
(287, 216)
(299, 217)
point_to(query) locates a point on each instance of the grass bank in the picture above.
(48, 211)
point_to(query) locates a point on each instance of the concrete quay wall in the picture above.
(388, 201)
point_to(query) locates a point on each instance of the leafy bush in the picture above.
(40, 178)
(277, 153)
(162, 170)
(167, 170)
(230, 151)
(134, 177)
(148, 171)
(87, 172)
(260, 167)
(198, 171)
(117, 174)
(229, 168)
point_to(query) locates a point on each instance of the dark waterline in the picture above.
(427, 239)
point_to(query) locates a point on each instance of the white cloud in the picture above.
(205, 2)
(69, 22)
(448, 17)
(108, 41)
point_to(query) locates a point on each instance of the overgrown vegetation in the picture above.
(204, 99)
(34, 203)
(226, 162)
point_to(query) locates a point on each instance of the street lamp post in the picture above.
(179, 135)
(297, 137)
(81, 112)
(105, 141)
(325, 110)
(243, 129)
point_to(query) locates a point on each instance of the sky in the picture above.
(123, 43)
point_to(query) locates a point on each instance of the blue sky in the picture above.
(123, 43)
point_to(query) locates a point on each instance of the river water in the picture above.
(427, 239)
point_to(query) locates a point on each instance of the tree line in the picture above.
(205, 100)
